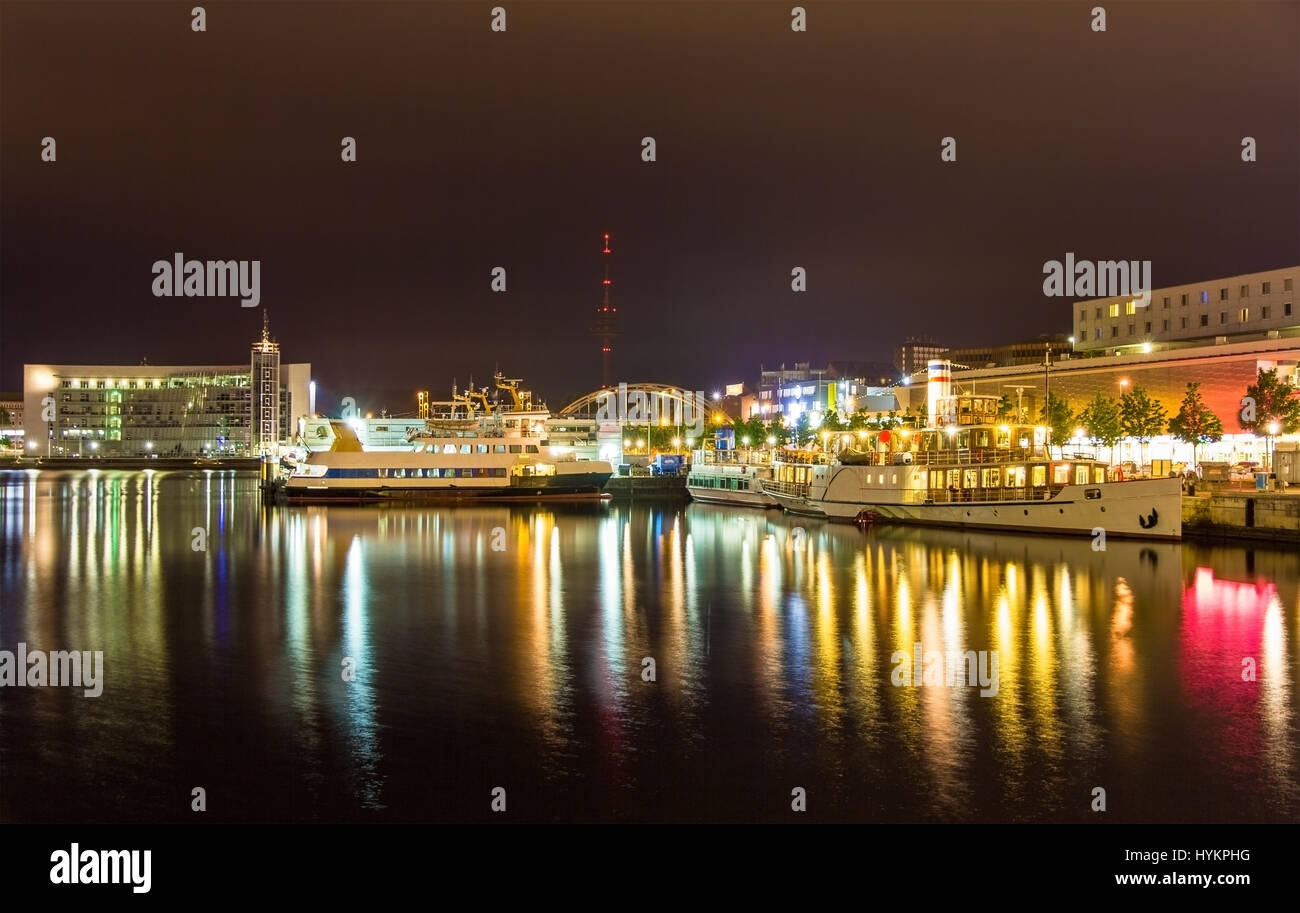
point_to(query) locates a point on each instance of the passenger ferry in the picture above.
(474, 451)
(974, 473)
(730, 477)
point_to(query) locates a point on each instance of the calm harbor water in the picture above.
(504, 646)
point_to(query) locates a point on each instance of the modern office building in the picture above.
(915, 353)
(11, 419)
(169, 410)
(843, 387)
(1242, 308)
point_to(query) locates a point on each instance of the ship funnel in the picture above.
(938, 387)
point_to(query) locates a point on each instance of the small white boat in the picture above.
(730, 477)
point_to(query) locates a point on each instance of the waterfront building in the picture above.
(168, 410)
(1252, 306)
(1223, 370)
(843, 387)
(11, 419)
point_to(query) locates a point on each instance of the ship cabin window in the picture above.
(531, 448)
(498, 448)
(880, 479)
(992, 478)
(1081, 475)
(516, 448)
(448, 448)
(480, 448)
(383, 473)
(1060, 473)
(1091, 494)
(1098, 474)
(399, 473)
(1038, 476)
(464, 448)
(970, 478)
(894, 480)
(936, 478)
(1015, 477)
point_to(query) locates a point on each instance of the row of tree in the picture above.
(1268, 402)
(1105, 420)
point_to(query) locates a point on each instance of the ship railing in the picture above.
(965, 456)
(980, 495)
(789, 489)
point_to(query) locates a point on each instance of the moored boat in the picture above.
(730, 477)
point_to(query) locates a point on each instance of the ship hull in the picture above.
(731, 498)
(1145, 509)
(569, 487)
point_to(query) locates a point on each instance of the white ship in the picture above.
(973, 472)
(473, 451)
(730, 477)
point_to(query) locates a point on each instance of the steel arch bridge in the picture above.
(659, 399)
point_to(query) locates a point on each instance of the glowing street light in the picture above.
(771, 440)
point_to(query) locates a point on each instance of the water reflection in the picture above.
(362, 662)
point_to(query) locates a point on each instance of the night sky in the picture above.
(476, 149)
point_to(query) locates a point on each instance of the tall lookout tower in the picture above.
(265, 382)
(605, 328)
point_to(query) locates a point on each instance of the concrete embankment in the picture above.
(1267, 515)
(647, 488)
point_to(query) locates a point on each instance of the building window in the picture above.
(1114, 331)
(1114, 309)
(1098, 333)
(1286, 309)
(1266, 288)
(1205, 296)
(1184, 326)
(1286, 285)
(1205, 320)
(1166, 302)
(1098, 313)
(1245, 291)
(1184, 302)
(1083, 316)
(1132, 329)
(1263, 312)
(1223, 317)
(1165, 328)
(1148, 327)
(1223, 294)
(1130, 308)
(1245, 314)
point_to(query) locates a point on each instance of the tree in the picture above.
(802, 429)
(1140, 416)
(1006, 406)
(1270, 400)
(1195, 424)
(860, 420)
(832, 422)
(5, 418)
(1101, 419)
(778, 432)
(1056, 415)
